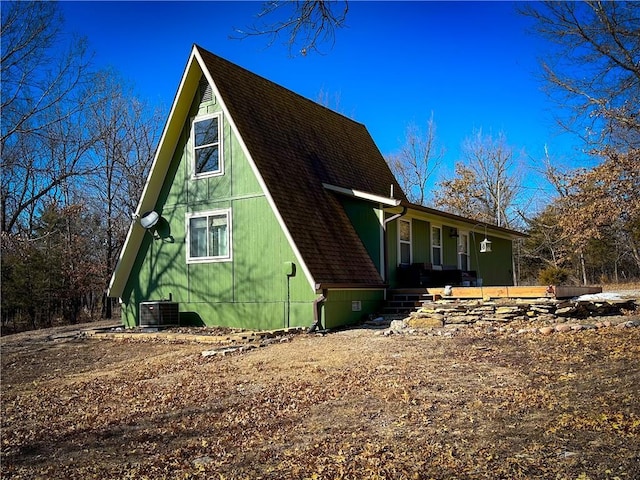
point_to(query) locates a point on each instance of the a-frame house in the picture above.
(264, 210)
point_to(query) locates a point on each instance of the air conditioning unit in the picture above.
(159, 314)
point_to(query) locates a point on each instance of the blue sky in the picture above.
(473, 64)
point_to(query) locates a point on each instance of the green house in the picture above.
(265, 210)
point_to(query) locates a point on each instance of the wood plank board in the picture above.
(569, 291)
(536, 291)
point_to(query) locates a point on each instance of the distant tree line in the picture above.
(77, 144)
(76, 148)
(590, 230)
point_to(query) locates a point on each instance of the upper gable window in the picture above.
(207, 147)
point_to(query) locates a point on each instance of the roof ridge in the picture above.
(288, 90)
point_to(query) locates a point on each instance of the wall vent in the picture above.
(159, 314)
(206, 92)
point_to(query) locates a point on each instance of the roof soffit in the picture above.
(157, 173)
(440, 217)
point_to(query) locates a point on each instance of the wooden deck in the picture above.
(537, 291)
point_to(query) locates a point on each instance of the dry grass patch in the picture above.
(347, 405)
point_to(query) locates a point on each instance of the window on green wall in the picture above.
(405, 241)
(463, 251)
(209, 236)
(207, 147)
(436, 245)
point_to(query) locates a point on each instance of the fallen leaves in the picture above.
(348, 405)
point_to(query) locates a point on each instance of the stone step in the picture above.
(403, 302)
(425, 297)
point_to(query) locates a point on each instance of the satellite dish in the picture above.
(149, 219)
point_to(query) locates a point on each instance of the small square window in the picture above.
(209, 236)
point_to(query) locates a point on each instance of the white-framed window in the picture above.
(463, 250)
(207, 146)
(404, 239)
(209, 236)
(436, 245)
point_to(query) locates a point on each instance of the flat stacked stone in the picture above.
(454, 314)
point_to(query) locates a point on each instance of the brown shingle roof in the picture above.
(297, 145)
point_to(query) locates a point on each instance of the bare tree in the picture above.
(306, 23)
(594, 70)
(75, 146)
(605, 200)
(485, 186)
(417, 160)
(124, 150)
(44, 99)
(592, 224)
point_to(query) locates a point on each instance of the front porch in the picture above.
(419, 275)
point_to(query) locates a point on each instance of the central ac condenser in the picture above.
(159, 314)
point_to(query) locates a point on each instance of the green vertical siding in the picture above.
(494, 267)
(251, 291)
(365, 217)
(449, 248)
(420, 241)
(338, 307)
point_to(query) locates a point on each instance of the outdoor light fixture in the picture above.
(485, 245)
(453, 233)
(149, 220)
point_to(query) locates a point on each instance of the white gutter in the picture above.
(371, 197)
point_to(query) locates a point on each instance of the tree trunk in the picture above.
(583, 268)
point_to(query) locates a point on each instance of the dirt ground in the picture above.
(350, 404)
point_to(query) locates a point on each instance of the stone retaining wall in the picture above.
(553, 315)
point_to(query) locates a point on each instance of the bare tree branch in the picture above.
(594, 69)
(417, 160)
(485, 185)
(44, 99)
(306, 24)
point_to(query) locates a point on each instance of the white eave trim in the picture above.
(153, 184)
(371, 197)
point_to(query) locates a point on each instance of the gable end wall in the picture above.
(253, 290)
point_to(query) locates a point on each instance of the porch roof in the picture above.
(458, 219)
